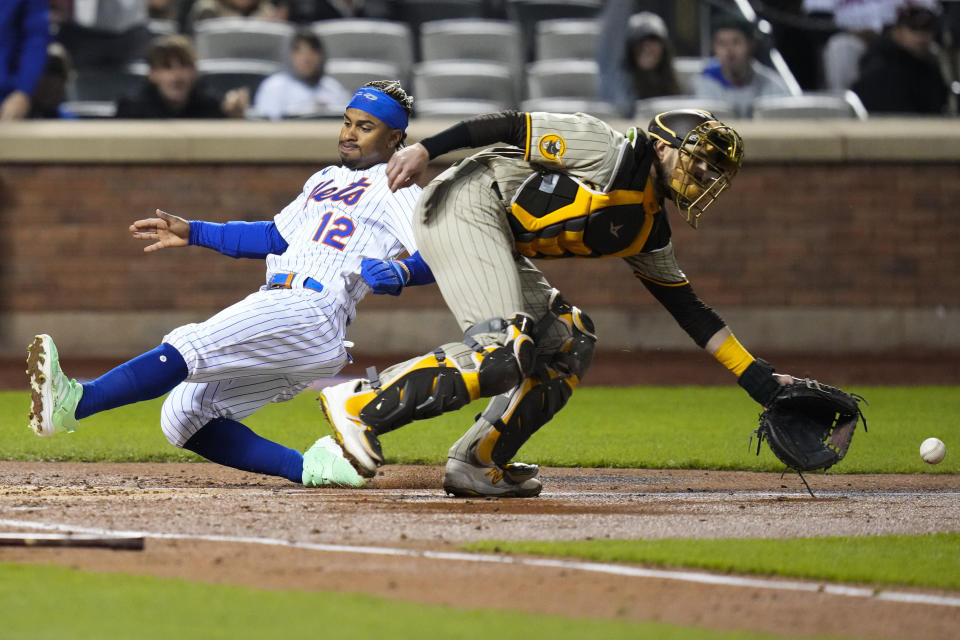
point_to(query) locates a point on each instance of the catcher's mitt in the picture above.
(809, 425)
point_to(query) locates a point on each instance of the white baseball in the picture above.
(933, 450)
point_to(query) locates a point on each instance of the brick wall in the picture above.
(868, 235)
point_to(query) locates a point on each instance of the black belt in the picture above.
(285, 281)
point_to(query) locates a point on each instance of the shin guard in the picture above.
(449, 378)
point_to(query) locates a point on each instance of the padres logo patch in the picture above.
(552, 147)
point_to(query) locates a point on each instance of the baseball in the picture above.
(932, 450)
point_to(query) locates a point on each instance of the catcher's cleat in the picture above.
(465, 480)
(360, 443)
(53, 396)
(324, 465)
(518, 472)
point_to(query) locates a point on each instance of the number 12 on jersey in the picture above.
(336, 235)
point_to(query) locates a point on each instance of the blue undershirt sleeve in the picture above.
(238, 239)
(35, 35)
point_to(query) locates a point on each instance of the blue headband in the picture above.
(381, 106)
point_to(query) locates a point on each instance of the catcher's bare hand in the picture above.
(785, 379)
(164, 231)
(406, 165)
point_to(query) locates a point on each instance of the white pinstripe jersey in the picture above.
(343, 216)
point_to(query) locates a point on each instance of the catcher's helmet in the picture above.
(709, 156)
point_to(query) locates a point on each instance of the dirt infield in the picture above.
(400, 538)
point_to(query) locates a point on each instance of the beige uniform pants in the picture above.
(461, 229)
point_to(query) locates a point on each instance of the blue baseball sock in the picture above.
(147, 376)
(232, 444)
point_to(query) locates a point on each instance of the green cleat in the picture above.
(325, 466)
(53, 396)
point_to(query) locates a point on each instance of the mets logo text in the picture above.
(552, 147)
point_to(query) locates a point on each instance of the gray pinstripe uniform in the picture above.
(463, 229)
(576, 188)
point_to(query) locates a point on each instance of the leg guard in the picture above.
(507, 352)
(493, 358)
(510, 420)
(532, 405)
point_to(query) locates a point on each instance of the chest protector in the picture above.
(554, 215)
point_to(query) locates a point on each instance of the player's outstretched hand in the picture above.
(165, 230)
(406, 165)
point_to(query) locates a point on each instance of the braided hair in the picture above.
(393, 89)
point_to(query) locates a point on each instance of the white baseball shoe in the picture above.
(340, 404)
(465, 480)
(325, 466)
(53, 396)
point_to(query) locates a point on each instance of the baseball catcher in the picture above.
(567, 186)
(809, 425)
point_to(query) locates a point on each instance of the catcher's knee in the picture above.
(576, 355)
(507, 358)
(451, 376)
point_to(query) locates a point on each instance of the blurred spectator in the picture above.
(262, 9)
(24, 33)
(104, 33)
(859, 23)
(801, 29)
(735, 75)
(51, 90)
(172, 90)
(307, 11)
(647, 63)
(612, 77)
(900, 73)
(303, 89)
(636, 59)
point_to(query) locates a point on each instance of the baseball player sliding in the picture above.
(269, 346)
(569, 187)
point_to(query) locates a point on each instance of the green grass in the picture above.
(923, 561)
(103, 605)
(644, 427)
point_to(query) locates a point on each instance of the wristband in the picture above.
(733, 356)
(758, 381)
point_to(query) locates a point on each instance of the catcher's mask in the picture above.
(709, 154)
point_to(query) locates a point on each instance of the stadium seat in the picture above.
(527, 13)
(158, 27)
(687, 69)
(562, 79)
(447, 108)
(494, 40)
(106, 84)
(567, 38)
(366, 39)
(597, 108)
(646, 109)
(225, 74)
(418, 12)
(465, 80)
(353, 74)
(810, 105)
(219, 38)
